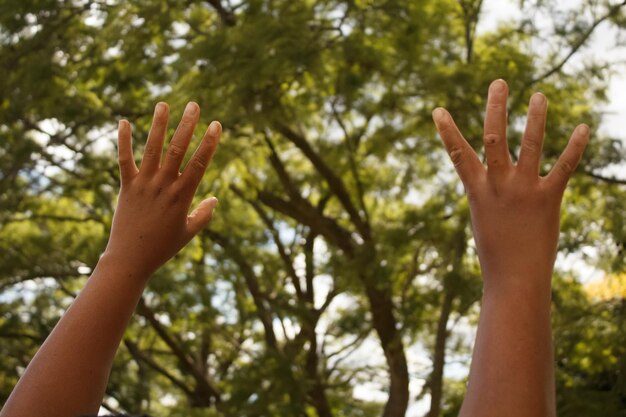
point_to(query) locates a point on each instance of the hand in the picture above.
(151, 222)
(514, 211)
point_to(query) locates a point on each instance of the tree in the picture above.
(589, 330)
(341, 244)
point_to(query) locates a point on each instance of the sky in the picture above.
(602, 46)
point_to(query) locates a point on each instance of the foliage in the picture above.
(342, 244)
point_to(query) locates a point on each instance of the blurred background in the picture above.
(339, 276)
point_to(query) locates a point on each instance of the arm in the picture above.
(515, 219)
(68, 375)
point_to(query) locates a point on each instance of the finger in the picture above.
(496, 148)
(125, 158)
(180, 142)
(197, 165)
(532, 142)
(154, 146)
(569, 159)
(201, 216)
(465, 160)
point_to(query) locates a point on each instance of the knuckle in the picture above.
(175, 197)
(472, 196)
(187, 120)
(197, 165)
(444, 128)
(496, 107)
(150, 152)
(536, 116)
(176, 151)
(187, 123)
(492, 139)
(579, 146)
(493, 162)
(158, 124)
(457, 156)
(565, 167)
(530, 146)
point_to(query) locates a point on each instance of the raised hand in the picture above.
(152, 221)
(515, 212)
(515, 219)
(69, 373)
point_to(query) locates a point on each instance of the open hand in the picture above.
(152, 221)
(514, 211)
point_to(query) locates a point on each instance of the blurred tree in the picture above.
(342, 243)
(590, 333)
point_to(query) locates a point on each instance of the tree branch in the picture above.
(305, 213)
(351, 145)
(579, 43)
(573, 50)
(334, 182)
(252, 282)
(227, 16)
(610, 180)
(282, 251)
(139, 356)
(205, 394)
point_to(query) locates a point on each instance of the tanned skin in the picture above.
(515, 219)
(68, 375)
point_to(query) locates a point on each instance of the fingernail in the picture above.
(583, 130)
(215, 128)
(212, 202)
(123, 124)
(192, 108)
(159, 109)
(498, 87)
(438, 114)
(537, 99)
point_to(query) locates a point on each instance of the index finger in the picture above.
(461, 154)
(126, 161)
(569, 159)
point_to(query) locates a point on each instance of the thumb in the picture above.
(201, 216)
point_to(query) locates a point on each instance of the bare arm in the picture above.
(68, 375)
(515, 219)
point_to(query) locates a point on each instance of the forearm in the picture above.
(512, 371)
(515, 218)
(68, 375)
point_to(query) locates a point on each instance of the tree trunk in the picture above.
(385, 325)
(439, 359)
(316, 392)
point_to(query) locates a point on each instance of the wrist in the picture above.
(117, 264)
(517, 271)
(533, 286)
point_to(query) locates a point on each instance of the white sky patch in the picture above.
(575, 264)
(607, 44)
(323, 285)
